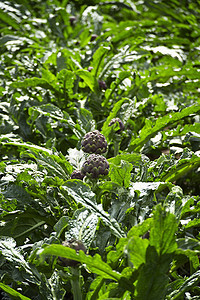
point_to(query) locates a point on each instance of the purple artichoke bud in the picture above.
(115, 121)
(94, 142)
(72, 20)
(73, 244)
(90, 69)
(102, 85)
(93, 37)
(95, 166)
(77, 174)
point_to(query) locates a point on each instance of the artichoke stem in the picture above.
(75, 282)
(116, 147)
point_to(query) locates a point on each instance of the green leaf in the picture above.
(85, 120)
(136, 250)
(193, 223)
(141, 228)
(82, 194)
(16, 260)
(49, 77)
(95, 287)
(135, 159)
(153, 279)
(187, 162)
(67, 77)
(88, 78)
(187, 285)
(121, 174)
(162, 235)
(117, 111)
(94, 264)
(82, 227)
(8, 20)
(24, 146)
(122, 75)
(20, 227)
(54, 164)
(61, 225)
(98, 59)
(149, 130)
(146, 188)
(12, 292)
(188, 243)
(33, 82)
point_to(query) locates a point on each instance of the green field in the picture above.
(100, 150)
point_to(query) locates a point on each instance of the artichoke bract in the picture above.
(121, 125)
(94, 142)
(95, 166)
(77, 174)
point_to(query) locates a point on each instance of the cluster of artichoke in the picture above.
(95, 144)
(95, 165)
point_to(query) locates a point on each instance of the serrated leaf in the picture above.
(25, 146)
(82, 227)
(8, 290)
(153, 279)
(98, 59)
(190, 282)
(95, 263)
(188, 243)
(12, 254)
(193, 223)
(88, 78)
(149, 130)
(61, 225)
(67, 77)
(162, 235)
(81, 193)
(54, 164)
(33, 82)
(141, 228)
(118, 111)
(95, 287)
(86, 120)
(136, 250)
(121, 174)
(9, 20)
(135, 158)
(122, 75)
(187, 162)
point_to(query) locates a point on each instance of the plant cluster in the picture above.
(99, 150)
(95, 165)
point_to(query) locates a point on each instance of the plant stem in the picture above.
(116, 148)
(75, 282)
(116, 141)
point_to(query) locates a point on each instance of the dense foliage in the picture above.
(123, 224)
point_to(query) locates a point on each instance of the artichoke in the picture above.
(93, 37)
(77, 174)
(73, 244)
(94, 142)
(95, 166)
(115, 121)
(102, 85)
